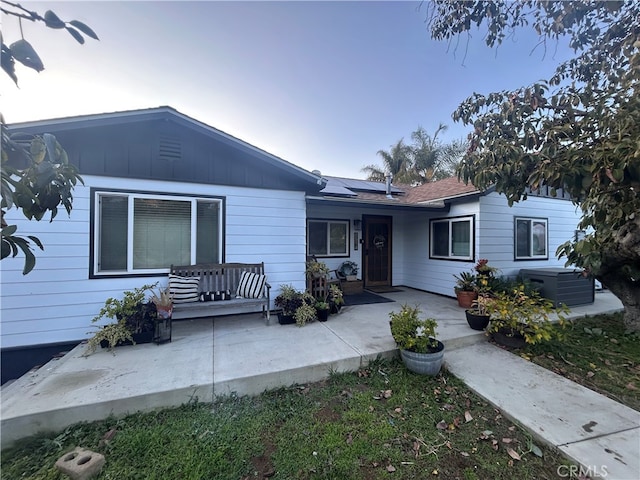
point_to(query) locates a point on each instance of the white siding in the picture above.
(496, 230)
(494, 226)
(421, 272)
(57, 300)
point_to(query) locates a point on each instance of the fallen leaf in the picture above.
(442, 425)
(507, 440)
(387, 393)
(391, 468)
(371, 409)
(536, 450)
(613, 340)
(467, 416)
(447, 406)
(494, 445)
(510, 463)
(513, 454)
(511, 428)
(435, 472)
(630, 386)
(607, 362)
(398, 410)
(590, 374)
(349, 439)
(464, 454)
(593, 366)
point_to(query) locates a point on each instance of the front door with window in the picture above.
(377, 251)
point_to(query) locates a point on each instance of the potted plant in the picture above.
(289, 299)
(322, 310)
(466, 289)
(306, 312)
(336, 299)
(135, 320)
(349, 270)
(483, 268)
(297, 307)
(477, 316)
(316, 269)
(518, 317)
(420, 351)
(163, 300)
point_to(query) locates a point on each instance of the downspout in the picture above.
(389, 178)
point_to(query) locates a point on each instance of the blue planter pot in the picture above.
(424, 363)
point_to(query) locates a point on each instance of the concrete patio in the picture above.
(241, 355)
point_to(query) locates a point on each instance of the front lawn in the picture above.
(379, 422)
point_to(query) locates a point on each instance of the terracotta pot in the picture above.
(465, 299)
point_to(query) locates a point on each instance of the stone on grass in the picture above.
(80, 464)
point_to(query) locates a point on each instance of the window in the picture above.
(452, 238)
(530, 238)
(145, 233)
(328, 238)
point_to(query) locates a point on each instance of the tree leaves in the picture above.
(23, 51)
(580, 138)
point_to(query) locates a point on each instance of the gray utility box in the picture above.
(561, 285)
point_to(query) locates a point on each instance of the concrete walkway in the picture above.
(241, 355)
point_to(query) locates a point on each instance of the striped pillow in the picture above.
(184, 289)
(251, 285)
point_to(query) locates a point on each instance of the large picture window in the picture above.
(145, 233)
(531, 238)
(328, 238)
(451, 238)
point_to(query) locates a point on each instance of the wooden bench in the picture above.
(221, 277)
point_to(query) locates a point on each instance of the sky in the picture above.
(323, 85)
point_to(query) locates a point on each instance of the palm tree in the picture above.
(396, 162)
(425, 160)
(432, 159)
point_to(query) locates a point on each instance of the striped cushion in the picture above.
(251, 285)
(184, 289)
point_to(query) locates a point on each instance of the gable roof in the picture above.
(166, 121)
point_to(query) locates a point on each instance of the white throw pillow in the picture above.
(184, 289)
(251, 285)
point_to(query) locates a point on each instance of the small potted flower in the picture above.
(419, 349)
(163, 300)
(483, 268)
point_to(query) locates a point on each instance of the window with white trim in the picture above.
(328, 238)
(530, 238)
(145, 233)
(451, 238)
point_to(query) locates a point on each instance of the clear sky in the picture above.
(324, 85)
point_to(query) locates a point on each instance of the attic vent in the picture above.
(170, 148)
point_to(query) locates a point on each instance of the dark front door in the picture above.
(377, 251)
